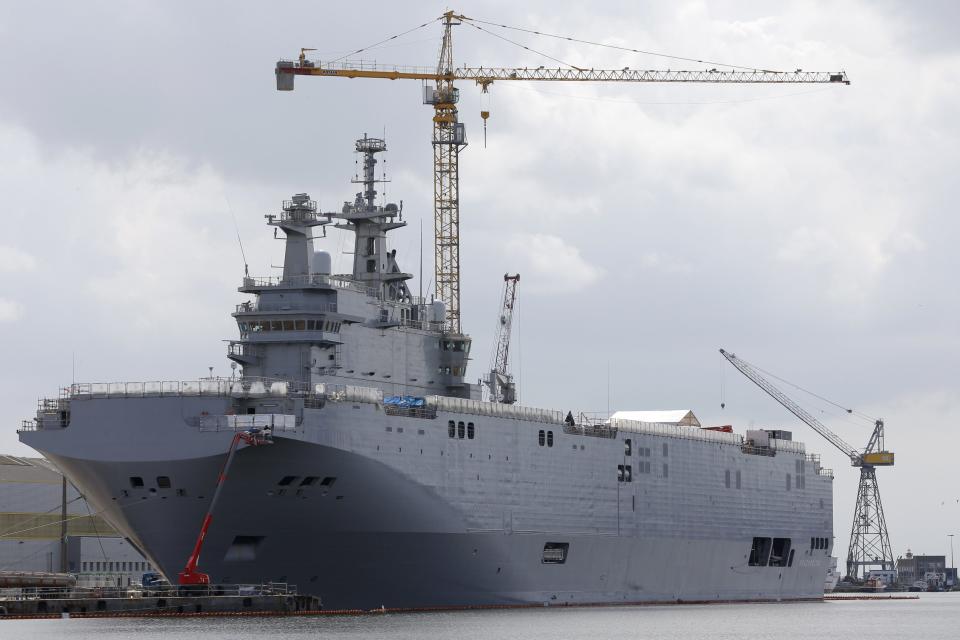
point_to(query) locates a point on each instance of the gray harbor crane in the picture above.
(501, 384)
(869, 540)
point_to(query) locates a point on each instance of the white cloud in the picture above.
(549, 264)
(10, 310)
(14, 260)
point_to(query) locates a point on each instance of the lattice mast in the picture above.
(501, 384)
(449, 136)
(869, 538)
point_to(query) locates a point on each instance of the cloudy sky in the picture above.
(811, 229)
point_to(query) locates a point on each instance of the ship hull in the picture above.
(390, 521)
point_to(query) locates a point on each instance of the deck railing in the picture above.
(337, 281)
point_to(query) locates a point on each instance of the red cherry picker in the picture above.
(190, 576)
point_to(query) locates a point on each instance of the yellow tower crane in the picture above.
(449, 135)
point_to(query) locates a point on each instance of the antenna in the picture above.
(246, 269)
(608, 388)
(420, 280)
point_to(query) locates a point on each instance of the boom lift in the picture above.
(502, 387)
(449, 134)
(869, 540)
(252, 437)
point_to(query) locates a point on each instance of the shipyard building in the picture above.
(32, 531)
(913, 569)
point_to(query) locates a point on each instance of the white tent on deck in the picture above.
(672, 416)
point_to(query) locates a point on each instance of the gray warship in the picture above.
(392, 483)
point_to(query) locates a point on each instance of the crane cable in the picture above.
(611, 46)
(846, 410)
(522, 46)
(385, 40)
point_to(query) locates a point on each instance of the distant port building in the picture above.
(31, 529)
(917, 568)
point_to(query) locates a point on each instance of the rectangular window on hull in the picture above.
(452, 429)
(780, 554)
(243, 549)
(136, 482)
(460, 430)
(542, 437)
(627, 447)
(163, 482)
(760, 552)
(549, 438)
(555, 552)
(287, 480)
(470, 431)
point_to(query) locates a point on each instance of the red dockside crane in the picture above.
(190, 576)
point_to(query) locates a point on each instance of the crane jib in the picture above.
(492, 74)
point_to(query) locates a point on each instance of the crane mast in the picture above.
(869, 538)
(449, 135)
(500, 382)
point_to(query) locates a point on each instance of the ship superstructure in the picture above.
(391, 483)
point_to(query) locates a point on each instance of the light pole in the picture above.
(950, 535)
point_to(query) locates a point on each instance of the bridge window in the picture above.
(299, 325)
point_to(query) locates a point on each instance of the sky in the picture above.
(808, 228)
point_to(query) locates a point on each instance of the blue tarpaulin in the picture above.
(406, 402)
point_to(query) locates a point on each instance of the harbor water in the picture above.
(934, 616)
